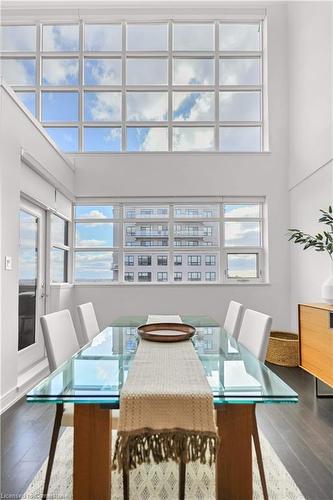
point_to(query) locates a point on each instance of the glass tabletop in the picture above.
(98, 371)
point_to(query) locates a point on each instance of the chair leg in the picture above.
(182, 479)
(125, 484)
(53, 446)
(255, 435)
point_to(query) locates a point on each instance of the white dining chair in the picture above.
(88, 321)
(254, 335)
(61, 344)
(233, 318)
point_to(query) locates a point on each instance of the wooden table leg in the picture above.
(234, 460)
(92, 453)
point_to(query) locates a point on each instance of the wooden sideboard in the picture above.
(316, 340)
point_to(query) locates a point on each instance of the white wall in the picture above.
(18, 130)
(205, 175)
(311, 139)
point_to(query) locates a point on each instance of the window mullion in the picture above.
(123, 89)
(170, 88)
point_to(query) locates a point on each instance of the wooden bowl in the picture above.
(166, 332)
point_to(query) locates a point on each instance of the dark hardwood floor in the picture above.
(301, 435)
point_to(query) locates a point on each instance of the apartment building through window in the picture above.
(225, 242)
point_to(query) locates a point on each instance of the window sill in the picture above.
(217, 283)
(163, 153)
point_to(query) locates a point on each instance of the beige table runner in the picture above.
(166, 406)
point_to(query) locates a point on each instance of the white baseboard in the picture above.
(25, 382)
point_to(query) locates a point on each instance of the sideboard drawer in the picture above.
(316, 342)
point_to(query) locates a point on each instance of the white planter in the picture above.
(327, 290)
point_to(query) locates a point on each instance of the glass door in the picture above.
(31, 285)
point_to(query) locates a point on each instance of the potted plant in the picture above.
(321, 242)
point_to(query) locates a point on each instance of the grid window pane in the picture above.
(29, 100)
(60, 71)
(148, 211)
(96, 211)
(194, 37)
(193, 106)
(238, 139)
(102, 37)
(146, 37)
(194, 276)
(18, 38)
(242, 210)
(196, 211)
(146, 234)
(195, 238)
(96, 234)
(59, 230)
(193, 71)
(240, 106)
(147, 139)
(102, 71)
(234, 36)
(58, 267)
(60, 106)
(193, 139)
(66, 138)
(142, 71)
(19, 71)
(242, 233)
(147, 106)
(240, 71)
(196, 234)
(60, 38)
(96, 266)
(102, 139)
(242, 265)
(102, 106)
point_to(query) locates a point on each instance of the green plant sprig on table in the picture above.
(321, 242)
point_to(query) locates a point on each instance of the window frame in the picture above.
(170, 55)
(220, 251)
(66, 248)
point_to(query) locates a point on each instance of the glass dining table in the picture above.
(92, 379)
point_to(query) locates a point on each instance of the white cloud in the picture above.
(243, 211)
(201, 110)
(60, 71)
(193, 36)
(156, 140)
(147, 106)
(103, 71)
(18, 72)
(18, 38)
(60, 38)
(94, 214)
(193, 139)
(244, 233)
(92, 243)
(103, 106)
(147, 71)
(102, 37)
(190, 71)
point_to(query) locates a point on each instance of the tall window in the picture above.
(107, 251)
(59, 249)
(168, 86)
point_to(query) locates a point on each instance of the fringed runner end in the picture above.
(135, 448)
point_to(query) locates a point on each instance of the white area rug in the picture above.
(152, 482)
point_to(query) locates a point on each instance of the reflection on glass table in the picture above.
(97, 372)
